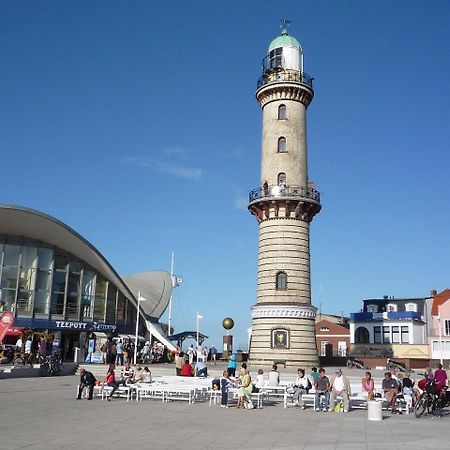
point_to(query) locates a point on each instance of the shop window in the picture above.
(45, 258)
(281, 280)
(11, 255)
(7, 299)
(111, 304)
(29, 257)
(100, 299)
(282, 145)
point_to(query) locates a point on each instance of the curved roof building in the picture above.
(52, 278)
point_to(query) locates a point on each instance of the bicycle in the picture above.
(432, 399)
(51, 366)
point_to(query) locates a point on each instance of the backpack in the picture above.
(254, 389)
(309, 385)
(215, 384)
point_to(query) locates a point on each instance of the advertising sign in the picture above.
(6, 322)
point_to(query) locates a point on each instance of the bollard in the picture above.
(374, 411)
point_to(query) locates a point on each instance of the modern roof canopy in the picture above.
(19, 221)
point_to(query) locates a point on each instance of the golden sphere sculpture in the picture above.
(228, 323)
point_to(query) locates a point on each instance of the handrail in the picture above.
(264, 192)
(285, 75)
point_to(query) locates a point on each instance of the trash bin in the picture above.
(374, 411)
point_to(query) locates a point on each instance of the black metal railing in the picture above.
(266, 192)
(285, 75)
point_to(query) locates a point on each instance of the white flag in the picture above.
(199, 316)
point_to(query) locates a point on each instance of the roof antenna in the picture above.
(284, 26)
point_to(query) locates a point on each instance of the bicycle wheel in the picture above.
(421, 405)
(45, 370)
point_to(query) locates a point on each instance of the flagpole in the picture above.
(198, 317)
(171, 294)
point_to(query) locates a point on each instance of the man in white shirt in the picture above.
(28, 346)
(340, 386)
(19, 344)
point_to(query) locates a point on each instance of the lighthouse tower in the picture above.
(283, 319)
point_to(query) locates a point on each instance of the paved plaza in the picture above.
(42, 413)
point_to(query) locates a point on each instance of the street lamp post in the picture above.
(137, 327)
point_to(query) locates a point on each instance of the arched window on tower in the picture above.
(282, 145)
(282, 112)
(281, 280)
(281, 179)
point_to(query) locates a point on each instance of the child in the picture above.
(224, 385)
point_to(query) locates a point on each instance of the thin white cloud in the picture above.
(166, 163)
(190, 173)
(240, 203)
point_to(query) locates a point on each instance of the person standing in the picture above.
(199, 352)
(19, 344)
(213, 351)
(232, 365)
(88, 380)
(28, 344)
(191, 352)
(224, 385)
(322, 386)
(340, 386)
(119, 353)
(179, 357)
(43, 345)
(314, 375)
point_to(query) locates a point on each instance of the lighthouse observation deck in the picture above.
(283, 75)
(284, 192)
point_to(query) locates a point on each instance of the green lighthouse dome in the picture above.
(284, 41)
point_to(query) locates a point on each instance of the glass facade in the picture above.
(42, 282)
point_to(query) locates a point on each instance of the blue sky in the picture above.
(136, 124)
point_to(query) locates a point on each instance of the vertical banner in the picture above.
(6, 321)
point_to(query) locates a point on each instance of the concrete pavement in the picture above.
(42, 413)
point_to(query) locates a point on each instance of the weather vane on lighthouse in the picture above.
(285, 24)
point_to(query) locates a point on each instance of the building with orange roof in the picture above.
(439, 329)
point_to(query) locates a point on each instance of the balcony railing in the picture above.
(285, 75)
(295, 192)
(394, 315)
